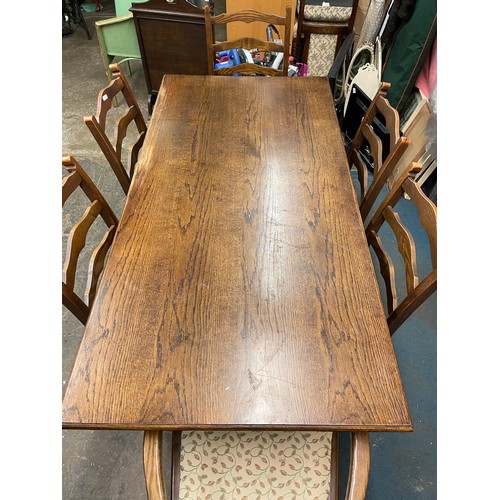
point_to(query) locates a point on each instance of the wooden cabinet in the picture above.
(172, 40)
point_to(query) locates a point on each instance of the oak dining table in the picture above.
(239, 292)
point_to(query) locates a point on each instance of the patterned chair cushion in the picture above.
(327, 14)
(218, 465)
(321, 54)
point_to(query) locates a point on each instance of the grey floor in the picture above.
(108, 464)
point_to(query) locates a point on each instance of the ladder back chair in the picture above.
(418, 287)
(112, 147)
(249, 43)
(80, 305)
(316, 24)
(384, 160)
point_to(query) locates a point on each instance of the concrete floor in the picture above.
(108, 464)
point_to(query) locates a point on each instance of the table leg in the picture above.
(153, 471)
(360, 466)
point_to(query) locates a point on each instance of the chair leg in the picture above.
(334, 468)
(80, 19)
(305, 49)
(176, 464)
(360, 466)
(153, 470)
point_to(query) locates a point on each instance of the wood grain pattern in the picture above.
(239, 291)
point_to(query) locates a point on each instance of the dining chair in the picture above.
(112, 147)
(377, 143)
(388, 224)
(281, 464)
(117, 38)
(262, 47)
(320, 32)
(80, 303)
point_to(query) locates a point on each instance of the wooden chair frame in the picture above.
(306, 28)
(382, 169)
(418, 289)
(249, 43)
(97, 125)
(77, 177)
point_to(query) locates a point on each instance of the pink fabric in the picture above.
(427, 77)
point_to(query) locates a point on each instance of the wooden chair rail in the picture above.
(249, 43)
(249, 16)
(248, 69)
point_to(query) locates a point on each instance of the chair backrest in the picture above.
(249, 43)
(80, 305)
(324, 20)
(418, 287)
(112, 148)
(384, 160)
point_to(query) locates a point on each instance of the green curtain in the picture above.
(408, 51)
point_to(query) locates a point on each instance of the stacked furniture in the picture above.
(171, 38)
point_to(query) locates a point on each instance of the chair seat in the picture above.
(241, 464)
(321, 54)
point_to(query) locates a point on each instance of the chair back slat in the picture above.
(77, 239)
(248, 16)
(427, 212)
(105, 101)
(121, 128)
(250, 43)
(96, 264)
(391, 118)
(406, 246)
(386, 270)
(112, 147)
(375, 145)
(362, 173)
(134, 153)
(76, 242)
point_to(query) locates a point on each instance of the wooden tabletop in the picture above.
(239, 292)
